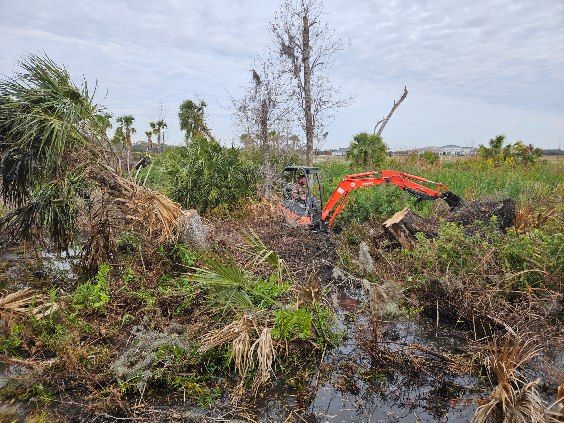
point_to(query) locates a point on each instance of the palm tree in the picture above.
(367, 149)
(149, 140)
(162, 125)
(49, 140)
(157, 128)
(52, 156)
(126, 125)
(104, 123)
(126, 122)
(191, 116)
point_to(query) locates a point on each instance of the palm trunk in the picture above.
(307, 92)
(127, 145)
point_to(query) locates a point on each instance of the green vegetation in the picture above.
(41, 113)
(93, 295)
(367, 150)
(518, 152)
(205, 175)
(224, 318)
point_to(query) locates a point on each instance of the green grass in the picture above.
(468, 178)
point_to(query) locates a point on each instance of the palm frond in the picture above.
(26, 302)
(226, 283)
(260, 253)
(512, 399)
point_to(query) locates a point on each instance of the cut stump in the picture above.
(404, 225)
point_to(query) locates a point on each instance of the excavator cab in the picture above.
(302, 195)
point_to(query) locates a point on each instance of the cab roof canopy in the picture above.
(304, 169)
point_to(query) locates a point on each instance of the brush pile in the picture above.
(402, 228)
(62, 180)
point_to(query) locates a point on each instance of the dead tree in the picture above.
(263, 110)
(382, 122)
(306, 48)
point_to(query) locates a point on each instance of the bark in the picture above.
(265, 149)
(382, 123)
(307, 91)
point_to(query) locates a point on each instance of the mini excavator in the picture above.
(302, 197)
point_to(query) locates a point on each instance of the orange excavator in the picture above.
(302, 198)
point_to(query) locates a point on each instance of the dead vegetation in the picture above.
(513, 399)
(26, 303)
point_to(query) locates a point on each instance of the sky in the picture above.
(473, 68)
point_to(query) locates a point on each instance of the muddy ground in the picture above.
(411, 367)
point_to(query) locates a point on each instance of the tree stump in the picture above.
(402, 227)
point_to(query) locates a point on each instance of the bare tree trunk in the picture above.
(382, 123)
(307, 91)
(265, 149)
(128, 146)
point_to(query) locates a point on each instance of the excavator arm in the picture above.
(404, 181)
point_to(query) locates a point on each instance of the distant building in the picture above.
(339, 152)
(446, 150)
(455, 150)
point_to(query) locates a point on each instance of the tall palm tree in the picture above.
(126, 125)
(126, 122)
(149, 134)
(162, 124)
(192, 119)
(157, 128)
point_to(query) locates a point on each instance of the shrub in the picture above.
(292, 324)
(208, 177)
(367, 150)
(94, 294)
(430, 157)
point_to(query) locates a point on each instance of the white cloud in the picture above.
(473, 68)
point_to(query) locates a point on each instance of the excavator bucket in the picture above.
(452, 199)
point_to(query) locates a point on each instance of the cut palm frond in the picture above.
(260, 254)
(26, 302)
(513, 399)
(228, 333)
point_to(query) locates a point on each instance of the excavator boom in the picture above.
(405, 181)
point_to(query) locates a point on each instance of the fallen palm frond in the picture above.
(259, 355)
(148, 211)
(26, 302)
(265, 358)
(260, 253)
(513, 399)
(555, 412)
(228, 333)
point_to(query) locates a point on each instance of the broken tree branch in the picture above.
(382, 123)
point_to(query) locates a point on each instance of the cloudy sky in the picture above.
(473, 68)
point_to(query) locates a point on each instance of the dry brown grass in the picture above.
(513, 399)
(25, 303)
(260, 354)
